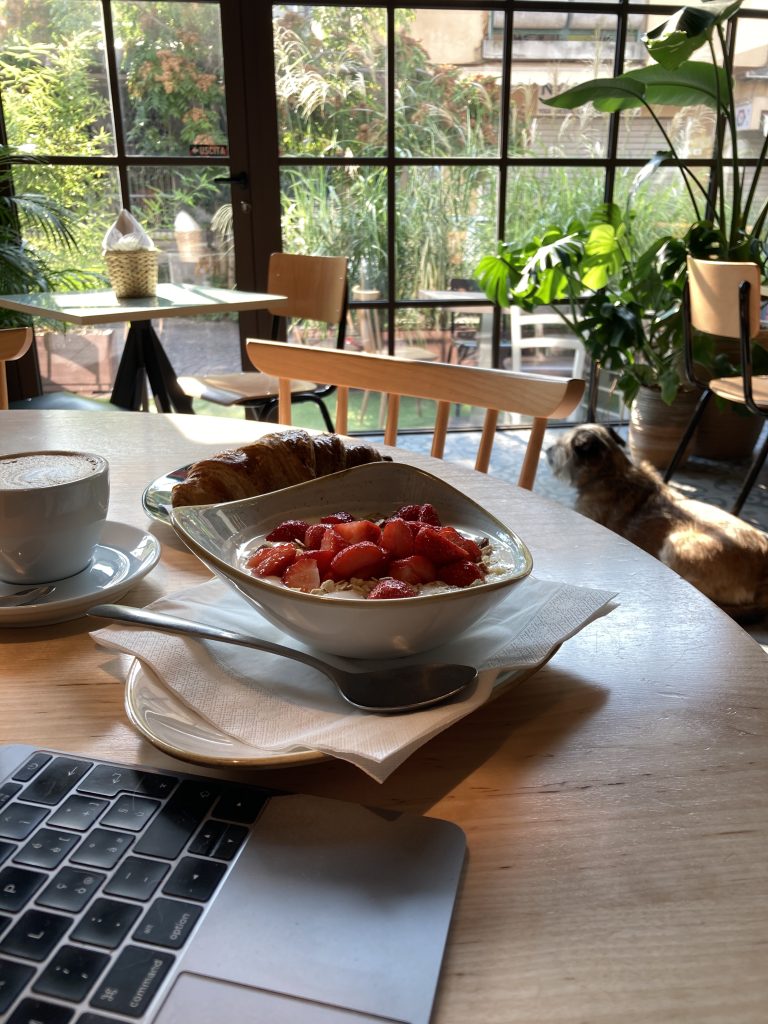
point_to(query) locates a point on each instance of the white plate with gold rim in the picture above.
(173, 727)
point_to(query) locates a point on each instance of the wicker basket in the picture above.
(132, 274)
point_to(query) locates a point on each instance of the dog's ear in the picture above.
(617, 437)
(588, 446)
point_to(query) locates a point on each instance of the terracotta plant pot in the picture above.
(655, 428)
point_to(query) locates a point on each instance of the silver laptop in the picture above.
(139, 894)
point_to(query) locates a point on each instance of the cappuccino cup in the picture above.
(52, 507)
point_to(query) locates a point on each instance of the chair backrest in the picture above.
(315, 286)
(549, 332)
(493, 390)
(14, 342)
(713, 290)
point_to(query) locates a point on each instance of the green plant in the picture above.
(26, 267)
(729, 220)
(625, 307)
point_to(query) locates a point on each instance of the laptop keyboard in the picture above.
(104, 872)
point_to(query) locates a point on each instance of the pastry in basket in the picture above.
(274, 461)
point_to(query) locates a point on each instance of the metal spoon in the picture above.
(386, 687)
(26, 596)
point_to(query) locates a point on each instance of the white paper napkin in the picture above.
(280, 705)
(126, 235)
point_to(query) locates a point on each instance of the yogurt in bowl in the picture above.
(225, 536)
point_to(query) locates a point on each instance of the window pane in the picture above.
(552, 51)
(445, 223)
(539, 197)
(171, 76)
(338, 211)
(91, 198)
(189, 218)
(330, 76)
(448, 102)
(661, 206)
(53, 78)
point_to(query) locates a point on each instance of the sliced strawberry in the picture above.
(419, 513)
(315, 534)
(337, 517)
(397, 538)
(272, 561)
(362, 560)
(408, 512)
(437, 548)
(289, 529)
(303, 574)
(471, 547)
(460, 574)
(427, 514)
(332, 541)
(388, 587)
(323, 559)
(358, 531)
(415, 569)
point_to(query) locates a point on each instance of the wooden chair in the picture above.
(14, 342)
(316, 289)
(723, 299)
(538, 396)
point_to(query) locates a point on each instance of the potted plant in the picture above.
(729, 221)
(623, 305)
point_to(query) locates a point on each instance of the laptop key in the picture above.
(132, 981)
(71, 974)
(35, 1011)
(77, 812)
(32, 766)
(241, 804)
(70, 889)
(167, 923)
(56, 780)
(194, 879)
(136, 878)
(102, 848)
(8, 792)
(177, 822)
(106, 923)
(17, 886)
(106, 780)
(46, 849)
(233, 838)
(206, 839)
(13, 980)
(130, 812)
(6, 849)
(17, 821)
(35, 934)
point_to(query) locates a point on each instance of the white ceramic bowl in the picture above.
(220, 534)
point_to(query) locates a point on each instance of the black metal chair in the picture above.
(723, 299)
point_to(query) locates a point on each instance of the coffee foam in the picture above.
(45, 469)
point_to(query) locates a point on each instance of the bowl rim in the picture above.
(238, 575)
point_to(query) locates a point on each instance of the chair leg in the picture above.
(757, 465)
(698, 412)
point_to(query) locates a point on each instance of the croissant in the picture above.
(274, 461)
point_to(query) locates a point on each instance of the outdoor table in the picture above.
(144, 358)
(615, 803)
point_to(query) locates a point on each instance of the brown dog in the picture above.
(724, 557)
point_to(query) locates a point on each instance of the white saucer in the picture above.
(177, 730)
(123, 555)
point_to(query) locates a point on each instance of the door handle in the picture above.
(240, 179)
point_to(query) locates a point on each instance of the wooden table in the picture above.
(615, 804)
(144, 358)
